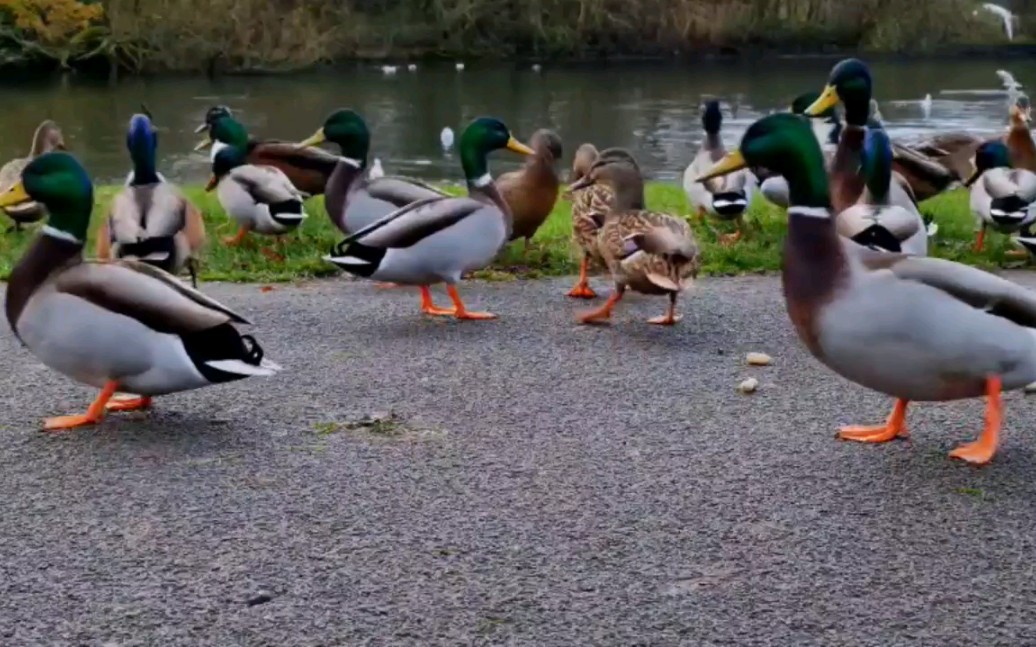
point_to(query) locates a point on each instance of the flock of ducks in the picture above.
(860, 290)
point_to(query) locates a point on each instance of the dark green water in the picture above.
(650, 109)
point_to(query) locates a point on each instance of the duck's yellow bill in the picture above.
(212, 183)
(14, 196)
(828, 99)
(318, 138)
(518, 147)
(732, 161)
(203, 144)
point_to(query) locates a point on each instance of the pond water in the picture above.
(650, 108)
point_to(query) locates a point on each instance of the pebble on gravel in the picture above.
(748, 386)
(262, 597)
(1030, 388)
(759, 359)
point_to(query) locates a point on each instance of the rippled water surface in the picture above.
(651, 109)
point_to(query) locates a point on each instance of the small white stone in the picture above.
(759, 359)
(748, 386)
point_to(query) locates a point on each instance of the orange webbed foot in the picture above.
(982, 450)
(582, 291)
(461, 312)
(894, 427)
(730, 239)
(129, 404)
(429, 308)
(62, 423)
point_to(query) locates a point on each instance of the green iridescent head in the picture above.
(483, 136)
(60, 183)
(347, 129)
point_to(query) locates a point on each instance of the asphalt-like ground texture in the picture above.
(543, 483)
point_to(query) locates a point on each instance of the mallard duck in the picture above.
(113, 324)
(353, 198)
(531, 191)
(260, 198)
(1019, 137)
(827, 128)
(1001, 196)
(307, 168)
(589, 206)
(727, 197)
(46, 138)
(438, 239)
(913, 328)
(850, 83)
(150, 219)
(874, 221)
(648, 251)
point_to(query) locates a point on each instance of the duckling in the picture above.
(46, 138)
(874, 221)
(260, 198)
(589, 206)
(531, 191)
(150, 219)
(727, 197)
(650, 252)
(113, 324)
(1001, 196)
(308, 169)
(438, 238)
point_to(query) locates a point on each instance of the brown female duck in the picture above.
(648, 251)
(590, 204)
(46, 138)
(531, 191)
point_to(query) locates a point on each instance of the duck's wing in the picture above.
(977, 288)
(401, 191)
(278, 152)
(266, 184)
(415, 222)
(153, 297)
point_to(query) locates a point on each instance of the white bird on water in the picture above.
(412, 67)
(926, 106)
(376, 170)
(446, 138)
(1004, 15)
(388, 69)
(1013, 87)
(460, 67)
(536, 67)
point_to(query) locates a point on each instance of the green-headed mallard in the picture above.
(46, 138)
(438, 239)
(259, 198)
(913, 328)
(150, 219)
(307, 169)
(590, 204)
(874, 221)
(648, 251)
(113, 324)
(850, 83)
(726, 197)
(827, 128)
(1001, 196)
(353, 198)
(531, 191)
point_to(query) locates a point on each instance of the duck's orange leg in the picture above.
(429, 308)
(129, 404)
(92, 416)
(980, 238)
(894, 427)
(730, 239)
(462, 312)
(981, 451)
(604, 313)
(670, 317)
(237, 238)
(582, 289)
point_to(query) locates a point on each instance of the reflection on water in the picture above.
(650, 109)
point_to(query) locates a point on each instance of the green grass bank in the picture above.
(552, 252)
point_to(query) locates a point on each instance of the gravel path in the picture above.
(544, 484)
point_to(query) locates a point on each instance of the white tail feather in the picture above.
(265, 368)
